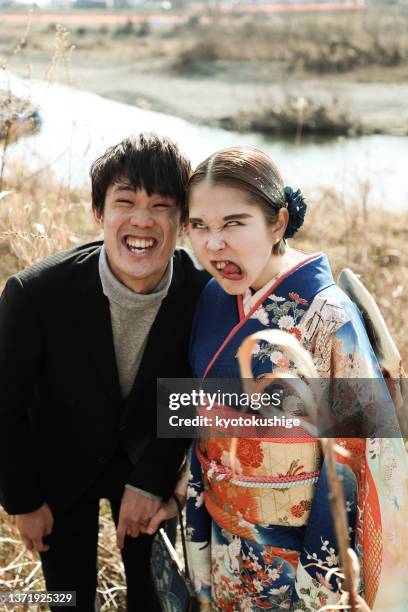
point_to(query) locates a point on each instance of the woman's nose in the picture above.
(215, 241)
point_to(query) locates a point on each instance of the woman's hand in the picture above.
(166, 511)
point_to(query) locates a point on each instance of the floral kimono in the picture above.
(263, 538)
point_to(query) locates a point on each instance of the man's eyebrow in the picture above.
(123, 187)
(118, 187)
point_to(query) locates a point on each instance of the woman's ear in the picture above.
(280, 225)
(183, 228)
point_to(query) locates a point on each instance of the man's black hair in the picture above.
(148, 161)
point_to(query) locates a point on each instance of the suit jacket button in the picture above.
(102, 459)
(122, 427)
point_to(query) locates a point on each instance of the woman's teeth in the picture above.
(139, 244)
(228, 269)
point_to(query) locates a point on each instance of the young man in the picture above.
(84, 334)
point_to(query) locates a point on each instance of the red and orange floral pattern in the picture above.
(250, 453)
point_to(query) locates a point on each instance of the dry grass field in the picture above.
(301, 43)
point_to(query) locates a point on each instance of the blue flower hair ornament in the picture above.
(297, 208)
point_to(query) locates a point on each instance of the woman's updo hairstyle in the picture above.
(250, 170)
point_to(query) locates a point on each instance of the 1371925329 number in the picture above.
(56, 598)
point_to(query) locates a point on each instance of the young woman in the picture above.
(261, 535)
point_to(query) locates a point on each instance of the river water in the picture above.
(78, 126)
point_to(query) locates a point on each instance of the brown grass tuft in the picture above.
(39, 217)
(296, 116)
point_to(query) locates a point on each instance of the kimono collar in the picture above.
(307, 262)
(249, 299)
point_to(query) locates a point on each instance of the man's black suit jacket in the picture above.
(61, 413)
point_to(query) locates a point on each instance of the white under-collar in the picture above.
(249, 299)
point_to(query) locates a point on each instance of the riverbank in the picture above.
(339, 74)
(231, 94)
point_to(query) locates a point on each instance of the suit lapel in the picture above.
(91, 308)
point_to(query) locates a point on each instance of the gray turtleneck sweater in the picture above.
(132, 315)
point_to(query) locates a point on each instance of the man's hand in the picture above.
(167, 510)
(34, 526)
(136, 510)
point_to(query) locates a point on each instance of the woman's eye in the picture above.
(161, 205)
(128, 202)
(232, 223)
(197, 225)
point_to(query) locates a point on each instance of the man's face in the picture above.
(140, 234)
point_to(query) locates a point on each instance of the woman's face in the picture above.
(230, 237)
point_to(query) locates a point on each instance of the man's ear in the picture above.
(98, 216)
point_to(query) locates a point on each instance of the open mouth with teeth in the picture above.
(228, 269)
(139, 245)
